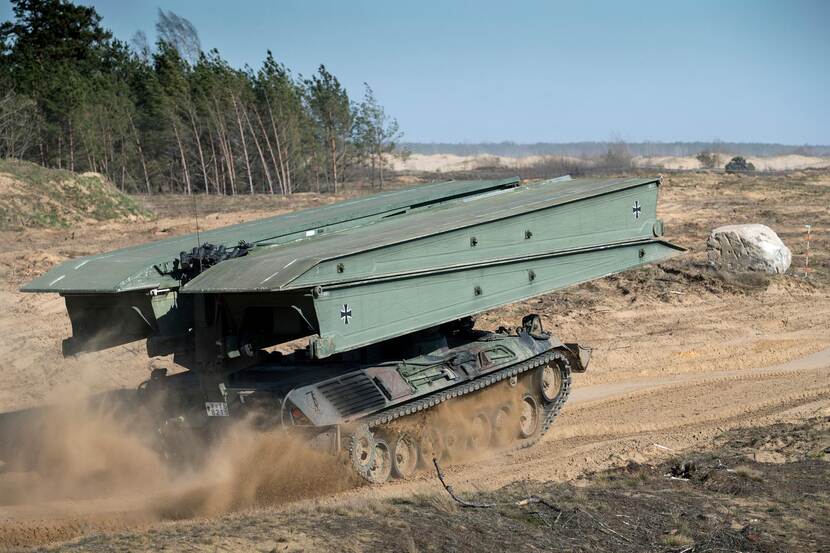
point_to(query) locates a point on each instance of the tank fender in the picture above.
(581, 356)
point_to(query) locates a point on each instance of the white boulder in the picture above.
(750, 247)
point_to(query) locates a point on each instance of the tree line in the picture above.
(170, 117)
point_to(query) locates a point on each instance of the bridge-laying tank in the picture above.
(384, 288)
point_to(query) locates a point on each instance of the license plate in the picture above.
(216, 408)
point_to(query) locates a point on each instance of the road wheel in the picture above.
(452, 438)
(551, 380)
(481, 432)
(430, 445)
(529, 414)
(504, 425)
(404, 455)
(382, 467)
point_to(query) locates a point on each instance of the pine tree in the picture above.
(48, 52)
(282, 120)
(377, 133)
(330, 109)
(172, 118)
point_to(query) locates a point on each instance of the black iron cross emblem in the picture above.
(346, 313)
(636, 209)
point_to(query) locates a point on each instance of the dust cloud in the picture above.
(465, 426)
(248, 467)
(84, 453)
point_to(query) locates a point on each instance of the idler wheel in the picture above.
(504, 425)
(528, 416)
(404, 455)
(430, 445)
(551, 379)
(362, 451)
(480, 432)
(382, 467)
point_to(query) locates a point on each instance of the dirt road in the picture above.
(605, 425)
(681, 355)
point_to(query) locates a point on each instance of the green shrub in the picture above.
(739, 165)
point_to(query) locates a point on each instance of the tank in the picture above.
(383, 290)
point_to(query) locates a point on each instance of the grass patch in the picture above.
(35, 196)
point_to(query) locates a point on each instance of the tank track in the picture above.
(551, 410)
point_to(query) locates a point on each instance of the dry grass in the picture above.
(677, 540)
(749, 473)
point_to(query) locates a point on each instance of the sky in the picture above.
(541, 71)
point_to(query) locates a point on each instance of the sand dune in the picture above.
(433, 163)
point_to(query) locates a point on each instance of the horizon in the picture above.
(595, 149)
(462, 74)
(720, 143)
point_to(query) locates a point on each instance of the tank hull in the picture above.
(332, 403)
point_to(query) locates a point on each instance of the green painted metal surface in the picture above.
(382, 310)
(364, 271)
(133, 268)
(475, 230)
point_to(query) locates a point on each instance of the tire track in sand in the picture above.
(602, 425)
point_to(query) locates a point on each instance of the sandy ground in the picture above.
(680, 355)
(432, 163)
